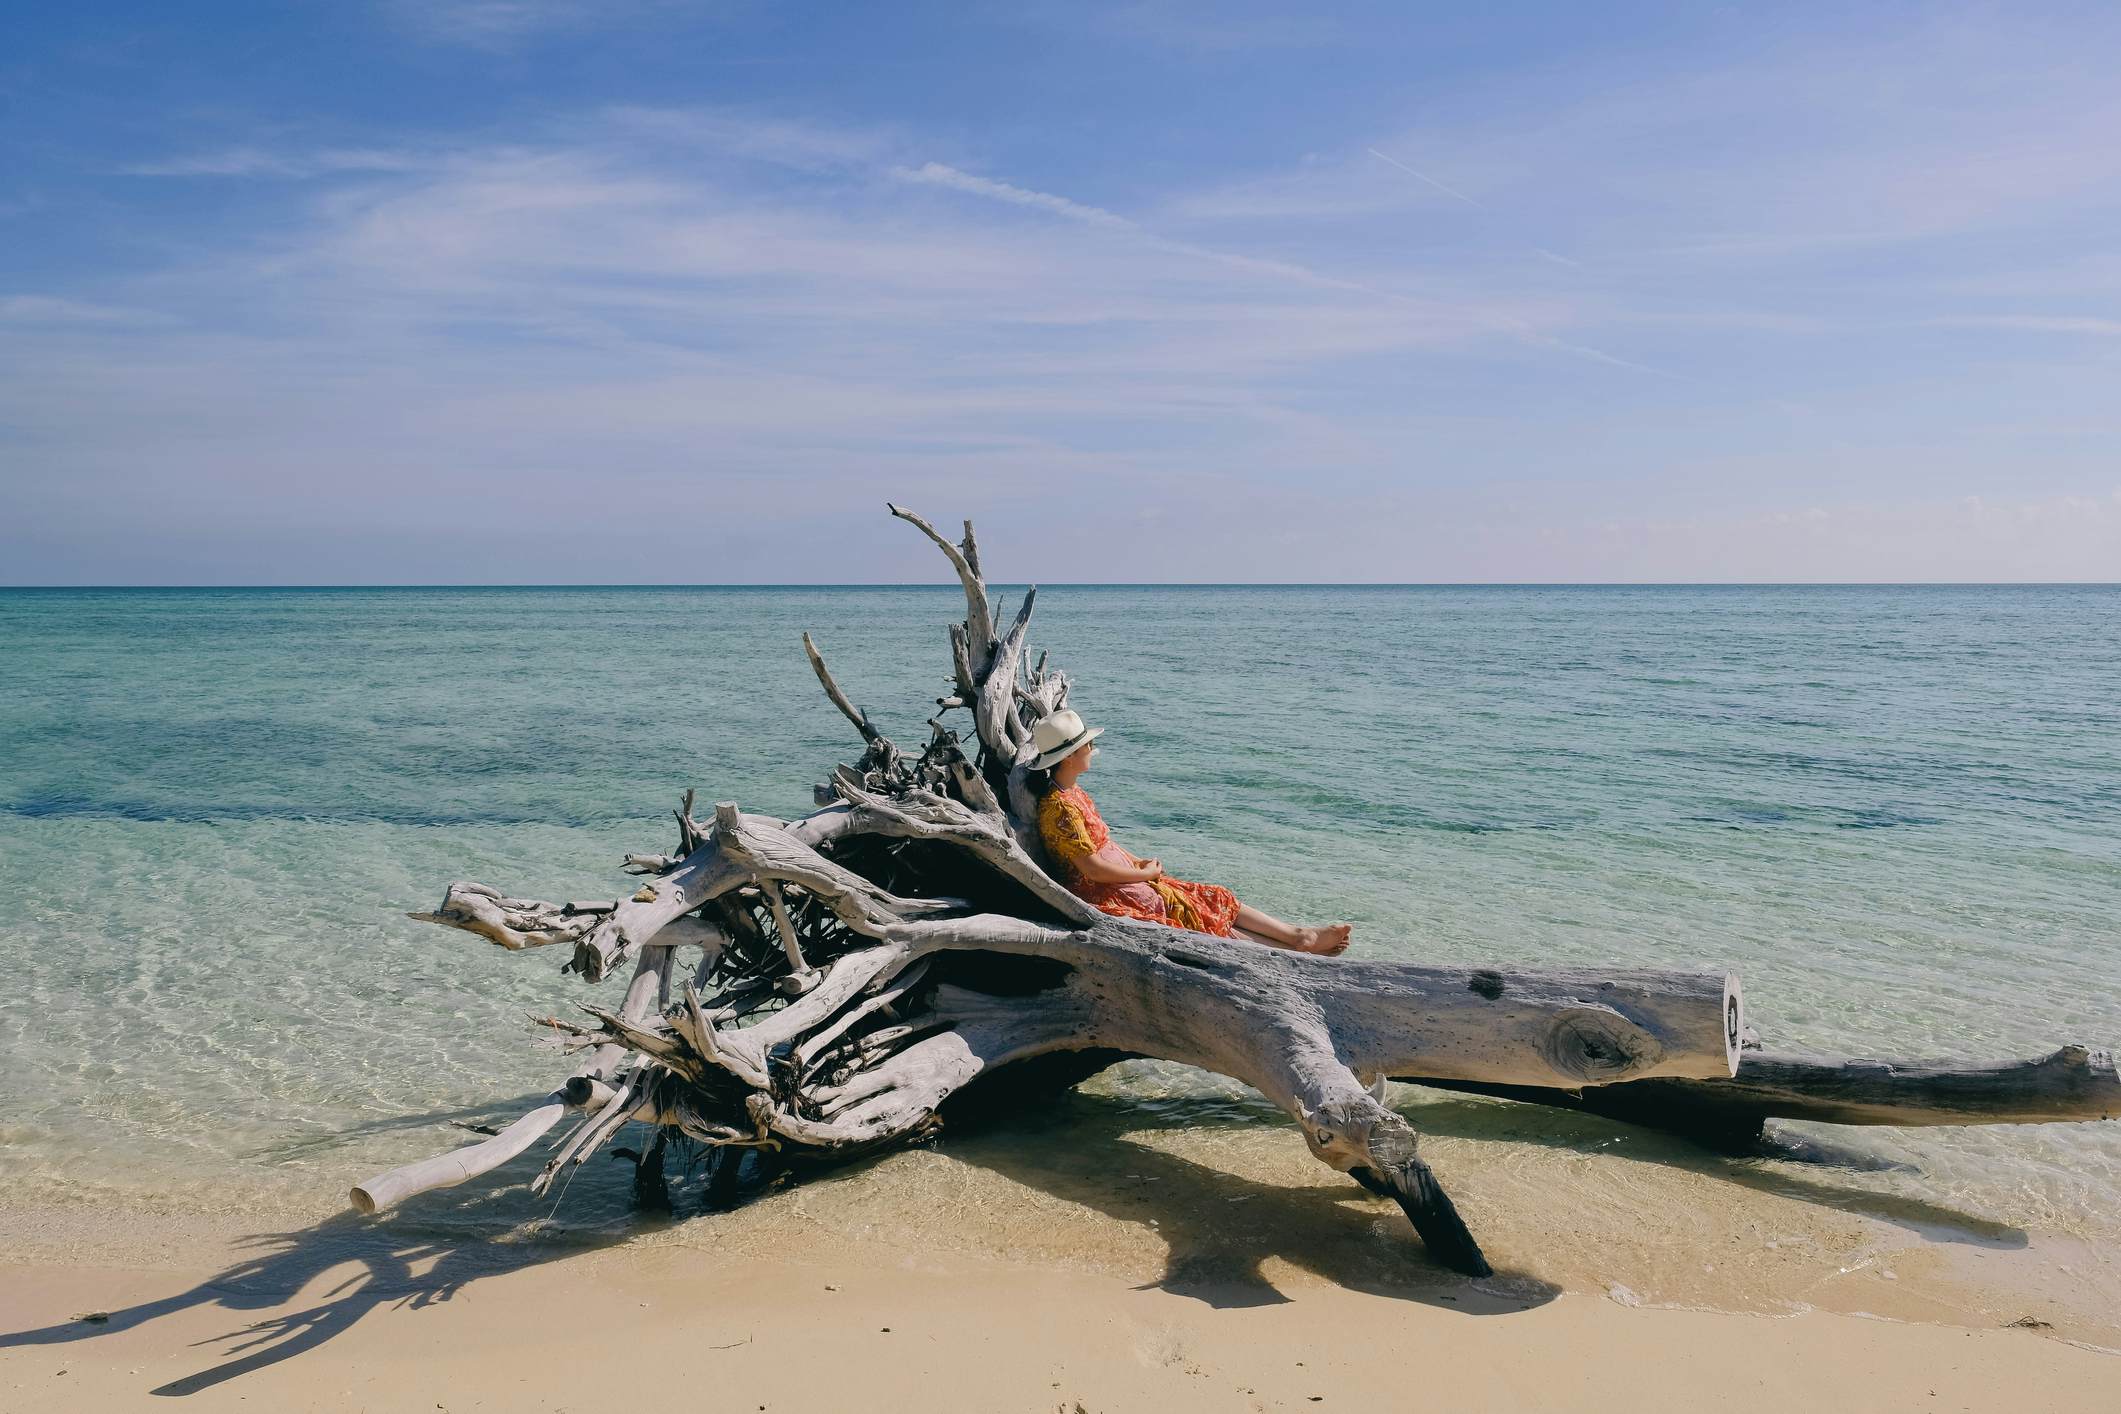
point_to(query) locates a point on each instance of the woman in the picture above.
(1114, 880)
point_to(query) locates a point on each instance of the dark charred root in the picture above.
(725, 1174)
(1411, 1185)
(651, 1193)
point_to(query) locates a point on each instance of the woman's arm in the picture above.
(1106, 871)
(1068, 840)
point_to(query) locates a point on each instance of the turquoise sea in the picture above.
(1895, 811)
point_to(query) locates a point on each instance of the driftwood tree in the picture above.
(820, 988)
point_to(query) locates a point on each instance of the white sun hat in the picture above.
(1056, 736)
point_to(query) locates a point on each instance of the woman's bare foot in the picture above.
(1326, 942)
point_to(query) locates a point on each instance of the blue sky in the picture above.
(643, 290)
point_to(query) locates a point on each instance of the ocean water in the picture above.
(1895, 811)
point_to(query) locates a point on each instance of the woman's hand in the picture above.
(1151, 869)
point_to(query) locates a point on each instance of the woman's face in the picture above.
(1079, 760)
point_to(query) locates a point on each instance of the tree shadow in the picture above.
(1762, 1167)
(1221, 1230)
(409, 1260)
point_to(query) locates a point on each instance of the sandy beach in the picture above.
(1093, 1265)
(859, 1326)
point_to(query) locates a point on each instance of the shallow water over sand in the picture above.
(1896, 812)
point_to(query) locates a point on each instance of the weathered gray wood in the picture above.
(704, 875)
(758, 848)
(580, 1090)
(961, 664)
(1296, 1027)
(987, 837)
(790, 945)
(1001, 730)
(979, 610)
(839, 698)
(1583, 1025)
(514, 923)
(1187, 996)
(2071, 1084)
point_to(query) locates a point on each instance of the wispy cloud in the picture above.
(753, 137)
(47, 310)
(499, 23)
(936, 174)
(523, 311)
(1216, 26)
(2092, 325)
(1799, 147)
(1432, 312)
(1452, 192)
(265, 162)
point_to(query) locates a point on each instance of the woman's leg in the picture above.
(1328, 941)
(1266, 925)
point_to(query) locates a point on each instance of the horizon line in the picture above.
(944, 585)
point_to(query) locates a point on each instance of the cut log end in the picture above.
(1599, 1044)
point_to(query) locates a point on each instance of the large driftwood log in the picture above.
(865, 964)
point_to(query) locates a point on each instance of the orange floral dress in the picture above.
(1071, 829)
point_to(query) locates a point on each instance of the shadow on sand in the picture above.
(420, 1256)
(408, 1261)
(1221, 1232)
(1764, 1168)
